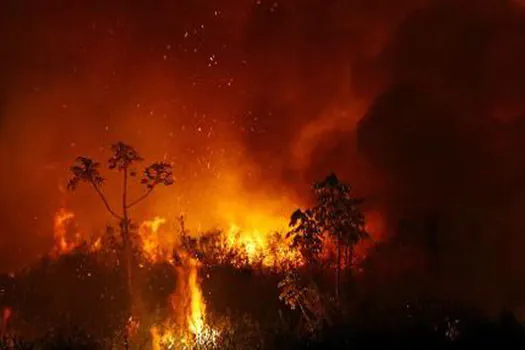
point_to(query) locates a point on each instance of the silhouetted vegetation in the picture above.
(78, 300)
(123, 159)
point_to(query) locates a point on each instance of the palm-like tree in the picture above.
(86, 170)
(124, 157)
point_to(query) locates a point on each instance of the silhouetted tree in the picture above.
(304, 295)
(335, 213)
(306, 234)
(86, 170)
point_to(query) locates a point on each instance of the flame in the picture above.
(65, 242)
(165, 338)
(267, 248)
(196, 317)
(153, 247)
(251, 219)
(63, 220)
(190, 328)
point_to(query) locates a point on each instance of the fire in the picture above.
(153, 247)
(255, 224)
(163, 339)
(269, 249)
(188, 328)
(62, 221)
(65, 241)
(196, 317)
(187, 301)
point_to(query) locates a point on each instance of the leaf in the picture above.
(123, 156)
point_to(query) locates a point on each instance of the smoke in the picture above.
(416, 103)
(446, 131)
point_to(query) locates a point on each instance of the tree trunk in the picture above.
(338, 268)
(305, 315)
(345, 258)
(126, 239)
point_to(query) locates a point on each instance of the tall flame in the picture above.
(196, 317)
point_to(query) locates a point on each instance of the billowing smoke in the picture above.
(416, 103)
(446, 131)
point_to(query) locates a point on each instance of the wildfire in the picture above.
(65, 240)
(62, 222)
(197, 306)
(255, 246)
(153, 247)
(189, 329)
(163, 338)
(187, 301)
(251, 237)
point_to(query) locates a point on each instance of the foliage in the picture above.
(85, 170)
(305, 296)
(306, 234)
(124, 156)
(335, 213)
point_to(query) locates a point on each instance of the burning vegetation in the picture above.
(326, 174)
(336, 218)
(334, 225)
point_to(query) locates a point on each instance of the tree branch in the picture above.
(108, 207)
(141, 198)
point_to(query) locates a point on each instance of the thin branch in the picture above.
(108, 207)
(141, 198)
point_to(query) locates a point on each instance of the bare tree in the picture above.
(86, 170)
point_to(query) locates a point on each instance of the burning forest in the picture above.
(262, 174)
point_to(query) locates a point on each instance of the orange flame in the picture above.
(197, 315)
(153, 246)
(63, 218)
(65, 240)
(190, 328)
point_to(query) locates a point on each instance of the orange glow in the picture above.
(153, 246)
(163, 338)
(196, 317)
(255, 246)
(63, 243)
(187, 326)
(6, 315)
(66, 240)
